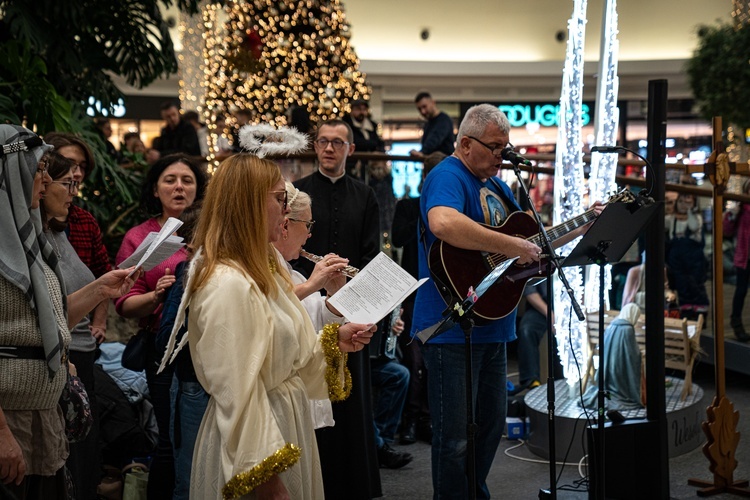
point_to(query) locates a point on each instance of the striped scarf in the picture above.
(23, 245)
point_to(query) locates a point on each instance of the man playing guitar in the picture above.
(458, 196)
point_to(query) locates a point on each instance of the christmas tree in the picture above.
(267, 57)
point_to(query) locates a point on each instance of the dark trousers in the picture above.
(37, 487)
(416, 408)
(84, 461)
(161, 475)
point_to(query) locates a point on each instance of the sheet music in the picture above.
(375, 291)
(155, 247)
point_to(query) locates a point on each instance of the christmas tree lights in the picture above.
(266, 57)
(569, 192)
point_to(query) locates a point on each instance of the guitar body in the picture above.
(455, 269)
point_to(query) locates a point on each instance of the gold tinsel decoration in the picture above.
(245, 482)
(336, 360)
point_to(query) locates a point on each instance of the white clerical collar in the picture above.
(332, 179)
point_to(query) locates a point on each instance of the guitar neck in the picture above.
(557, 232)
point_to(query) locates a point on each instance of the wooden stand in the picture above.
(721, 433)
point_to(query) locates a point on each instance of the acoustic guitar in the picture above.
(456, 269)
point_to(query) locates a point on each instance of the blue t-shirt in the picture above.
(451, 184)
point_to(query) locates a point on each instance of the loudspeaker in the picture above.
(631, 467)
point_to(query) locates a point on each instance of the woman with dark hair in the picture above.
(172, 185)
(83, 230)
(36, 315)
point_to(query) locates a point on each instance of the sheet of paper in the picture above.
(450, 320)
(156, 247)
(375, 291)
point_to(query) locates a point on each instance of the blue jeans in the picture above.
(447, 395)
(392, 380)
(189, 401)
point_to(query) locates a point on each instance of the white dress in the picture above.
(260, 361)
(315, 305)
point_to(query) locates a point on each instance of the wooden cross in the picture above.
(721, 428)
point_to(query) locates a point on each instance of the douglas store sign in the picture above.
(544, 114)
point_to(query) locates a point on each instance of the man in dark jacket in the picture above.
(437, 134)
(177, 136)
(365, 133)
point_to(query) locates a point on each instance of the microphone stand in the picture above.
(552, 264)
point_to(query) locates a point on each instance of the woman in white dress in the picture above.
(325, 275)
(253, 346)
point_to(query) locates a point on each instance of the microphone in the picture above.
(606, 149)
(509, 155)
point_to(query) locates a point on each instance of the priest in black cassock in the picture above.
(346, 217)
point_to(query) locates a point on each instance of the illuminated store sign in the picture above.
(546, 115)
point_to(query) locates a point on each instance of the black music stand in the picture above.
(606, 242)
(461, 312)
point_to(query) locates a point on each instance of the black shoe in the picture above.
(739, 330)
(408, 434)
(424, 432)
(392, 459)
(741, 334)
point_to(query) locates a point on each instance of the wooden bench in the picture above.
(681, 342)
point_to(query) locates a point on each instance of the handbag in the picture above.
(76, 408)
(135, 353)
(136, 482)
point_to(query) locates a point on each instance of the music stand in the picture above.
(606, 242)
(462, 312)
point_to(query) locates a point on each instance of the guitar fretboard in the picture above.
(554, 233)
(561, 230)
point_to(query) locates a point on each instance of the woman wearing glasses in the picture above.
(172, 185)
(326, 273)
(83, 461)
(253, 346)
(35, 322)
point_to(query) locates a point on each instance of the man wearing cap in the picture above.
(366, 138)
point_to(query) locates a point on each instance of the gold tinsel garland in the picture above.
(245, 482)
(335, 359)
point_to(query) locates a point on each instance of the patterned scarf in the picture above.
(23, 245)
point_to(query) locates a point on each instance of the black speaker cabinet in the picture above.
(631, 460)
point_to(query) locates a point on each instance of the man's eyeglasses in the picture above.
(308, 223)
(71, 185)
(283, 202)
(495, 150)
(79, 166)
(336, 143)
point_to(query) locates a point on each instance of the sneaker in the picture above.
(392, 459)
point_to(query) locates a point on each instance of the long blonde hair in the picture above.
(233, 226)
